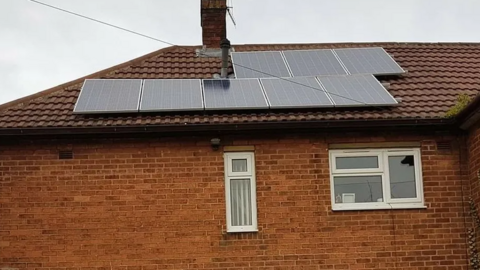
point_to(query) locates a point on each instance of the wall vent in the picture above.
(444, 145)
(65, 154)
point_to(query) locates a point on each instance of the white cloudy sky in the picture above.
(41, 47)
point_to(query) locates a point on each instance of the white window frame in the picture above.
(383, 171)
(230, 175)
(357, 153)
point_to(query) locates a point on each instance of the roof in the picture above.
(437, 74)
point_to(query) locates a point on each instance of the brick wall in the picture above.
(214, 25)
(159, 204)
(474, 163)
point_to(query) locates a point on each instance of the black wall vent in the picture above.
(444, 145)
(65, 154)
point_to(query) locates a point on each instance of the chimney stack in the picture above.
(214, 24)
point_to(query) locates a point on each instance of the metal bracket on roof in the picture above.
(211, 52)
(217, 76)
(404, 74)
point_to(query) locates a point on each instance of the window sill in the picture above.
(244, 230)
(383, 206)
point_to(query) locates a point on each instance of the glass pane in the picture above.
(358, 189)
(239, 165)
(357, 162)
(402, 177)
(241, 202)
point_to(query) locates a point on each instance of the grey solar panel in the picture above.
(109, 96)
(259, 65)
(356, 90)
(297, 92)
(368, 61)
(234, 94)
(313, 63)
(171, 95)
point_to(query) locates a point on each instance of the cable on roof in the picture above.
(298, 83)
(171, 44)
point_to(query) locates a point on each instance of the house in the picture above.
(321, 188)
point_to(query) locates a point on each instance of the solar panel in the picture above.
(298, 92)
(368, 61)
(313, 63)
(259, 65)
(356, 90)
(171, 95)
(109, 96)
(234, 94)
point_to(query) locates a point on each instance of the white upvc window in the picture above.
(364, 179)
(240, 190)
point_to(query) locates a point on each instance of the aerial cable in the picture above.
(172, 44)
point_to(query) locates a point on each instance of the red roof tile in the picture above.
(437, 74)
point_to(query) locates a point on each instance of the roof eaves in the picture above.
(360, 124)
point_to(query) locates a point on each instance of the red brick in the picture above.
(164, 208)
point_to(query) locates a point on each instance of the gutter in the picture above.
(304, 125)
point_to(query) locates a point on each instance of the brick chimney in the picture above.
(214, 25)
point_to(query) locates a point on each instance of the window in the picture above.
(240, 190)
(376, 179)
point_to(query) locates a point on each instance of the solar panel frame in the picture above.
(160, 100)
(314, 63)
(368, 60)
(213, 99)
(295, 93)
(276, 57)
(94, 97)
(344, 93)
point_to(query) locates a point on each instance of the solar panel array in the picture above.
(264, 80)
(128, 96)
(348, 61)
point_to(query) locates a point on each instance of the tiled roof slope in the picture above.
(437, 74)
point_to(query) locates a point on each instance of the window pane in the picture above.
(358, 189)
(239, 165)
(357, 162)
(402, 177)
(241, 202)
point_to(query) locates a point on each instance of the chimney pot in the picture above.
(214, 25)
(225, 43)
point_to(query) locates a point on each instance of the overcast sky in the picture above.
(42, 47)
